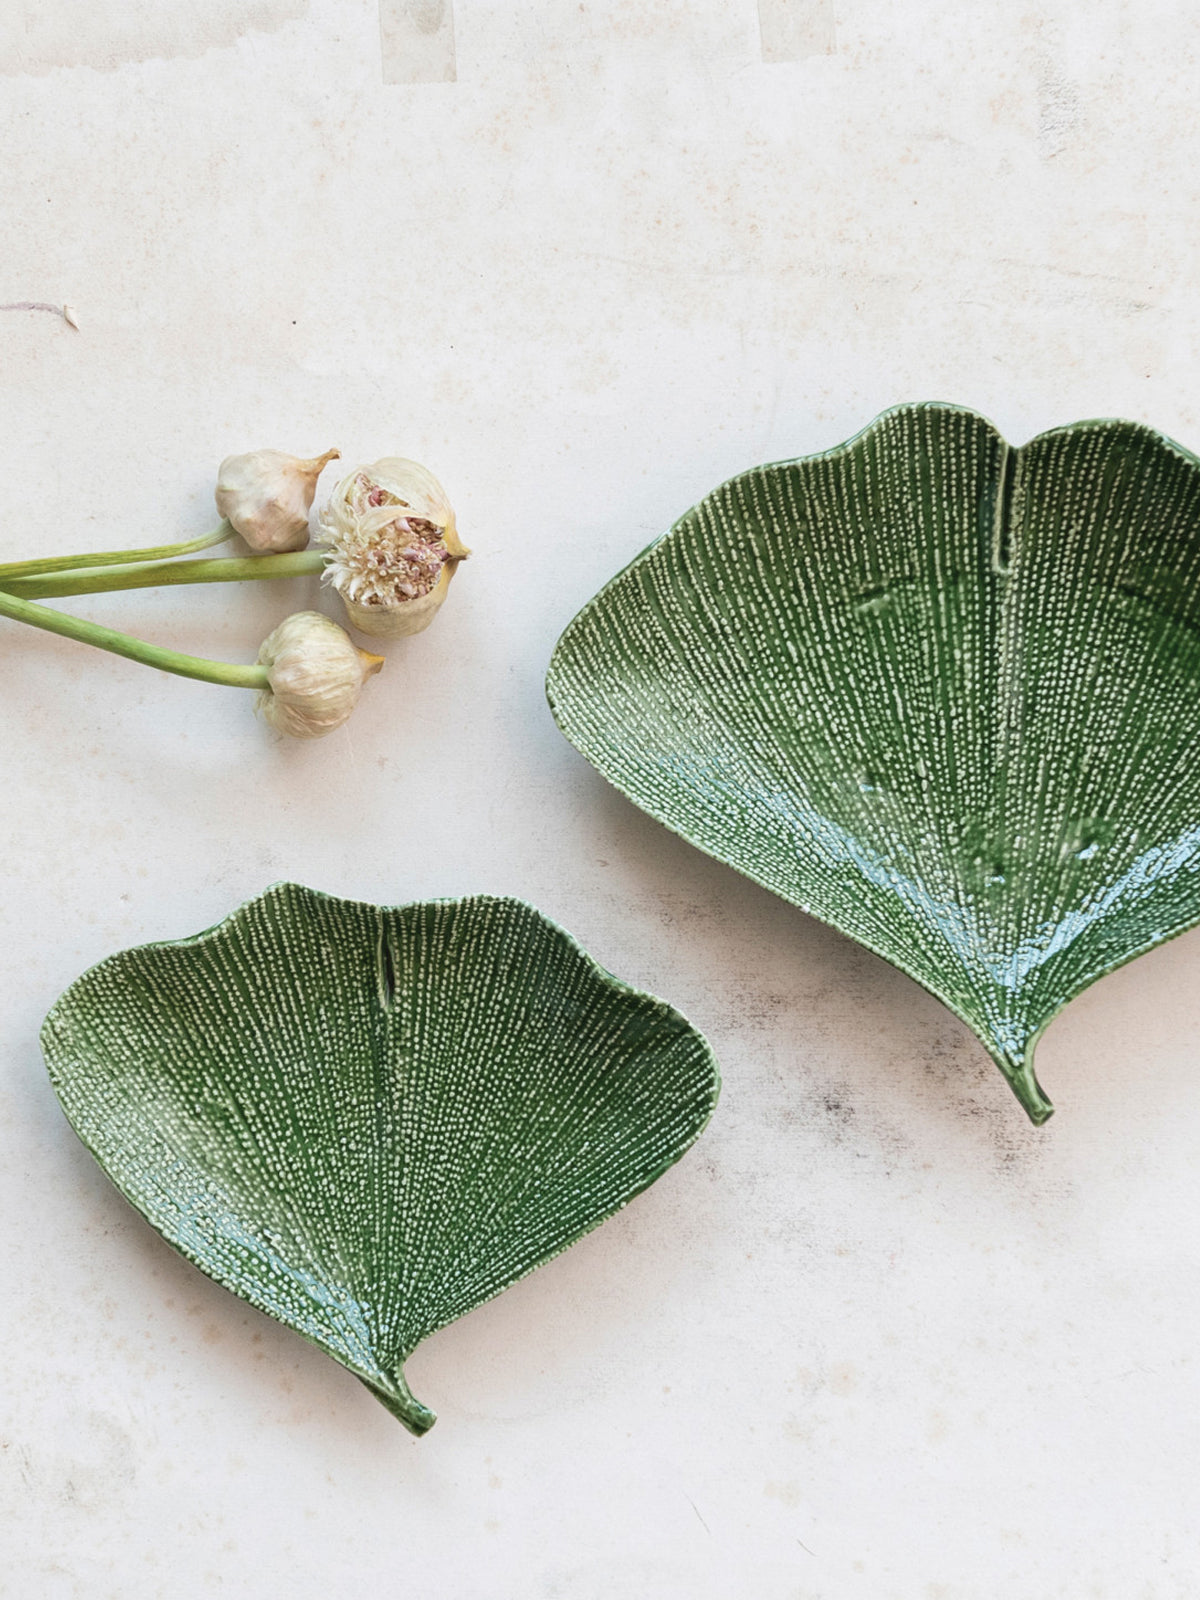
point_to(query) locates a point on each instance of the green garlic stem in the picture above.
(121, 644)
(113, 558)
(155, 574)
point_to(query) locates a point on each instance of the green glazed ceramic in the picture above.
(366, 1121)
(938, 691)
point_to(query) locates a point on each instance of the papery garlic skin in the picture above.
(316, 673)
(393, 546)
(267, 495)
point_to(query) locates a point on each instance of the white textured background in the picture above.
(875, 1337)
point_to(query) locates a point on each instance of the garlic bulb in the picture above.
(392, 546)
(316, 674)
(267, 496)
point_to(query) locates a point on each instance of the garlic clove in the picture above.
(267, 495)
(316, 673)
(393, 546)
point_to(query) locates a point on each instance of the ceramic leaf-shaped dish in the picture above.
(941, 692)
(366, 1121)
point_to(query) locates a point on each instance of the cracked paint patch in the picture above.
(67, 313)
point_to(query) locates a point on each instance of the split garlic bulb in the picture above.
(267, 495)
(316, 673)
(392, 546)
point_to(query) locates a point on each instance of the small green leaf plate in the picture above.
(367, 1121)
(940, 692)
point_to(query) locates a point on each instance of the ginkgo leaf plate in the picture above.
(941, 692)
(367, 1120)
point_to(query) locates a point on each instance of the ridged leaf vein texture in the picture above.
(367, 1121)
(938, 691)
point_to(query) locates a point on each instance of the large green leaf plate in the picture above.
(366, 1120)
(940, 692)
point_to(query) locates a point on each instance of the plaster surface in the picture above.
(875, 1338)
